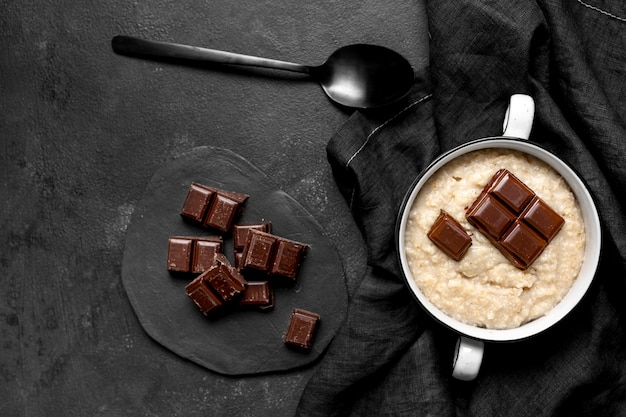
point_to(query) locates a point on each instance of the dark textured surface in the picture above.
(81, 133)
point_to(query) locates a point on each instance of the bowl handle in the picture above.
(467, 358)
(518, 120)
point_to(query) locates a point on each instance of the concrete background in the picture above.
(82, 130)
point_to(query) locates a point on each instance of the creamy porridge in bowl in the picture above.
(483, 295)
(484, 288)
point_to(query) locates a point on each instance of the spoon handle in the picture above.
(132, 46)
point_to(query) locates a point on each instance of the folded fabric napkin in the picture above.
(389, 358)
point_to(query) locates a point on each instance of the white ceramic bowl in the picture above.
(469, 349)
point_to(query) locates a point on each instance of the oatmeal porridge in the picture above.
(484, 288)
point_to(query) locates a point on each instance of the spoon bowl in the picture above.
(359, 76)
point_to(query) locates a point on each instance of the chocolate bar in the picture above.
(192, 254)
(212, 207)
(449, 236)
(514, 219)
(206, 300)
(272, 254)
(302, 328)
(259, 295)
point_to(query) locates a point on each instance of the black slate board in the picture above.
(241, 342)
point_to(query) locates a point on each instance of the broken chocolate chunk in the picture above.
(449, 236)
(302, 328)
(514, 219)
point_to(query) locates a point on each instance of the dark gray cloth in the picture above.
(390, 358)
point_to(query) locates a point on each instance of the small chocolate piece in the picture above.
(287, 258)
(449, 236)
(204, 251)
(258, 295)
(179, 252)
(514, 219)
(238, 256)
(259, 250)
(222, 282)
(221, 213)
(302, 328)
(197, 202)
(206, 300)
(240, 232)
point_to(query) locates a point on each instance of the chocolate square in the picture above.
(258, 295)
(490, 216)
(179, 252)
(259, 250)
(523, 243)
(287, 258)
(203, 296)
(511, 191)
(240, 232)
(222, 212)
(543, 219)
(197, 202)
(302, 328)
(222, 282)
(204, 251)
(449, 236)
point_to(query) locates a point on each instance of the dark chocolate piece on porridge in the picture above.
(514, 219)
(449, 236)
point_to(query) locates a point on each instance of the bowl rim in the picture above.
(593, 241)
